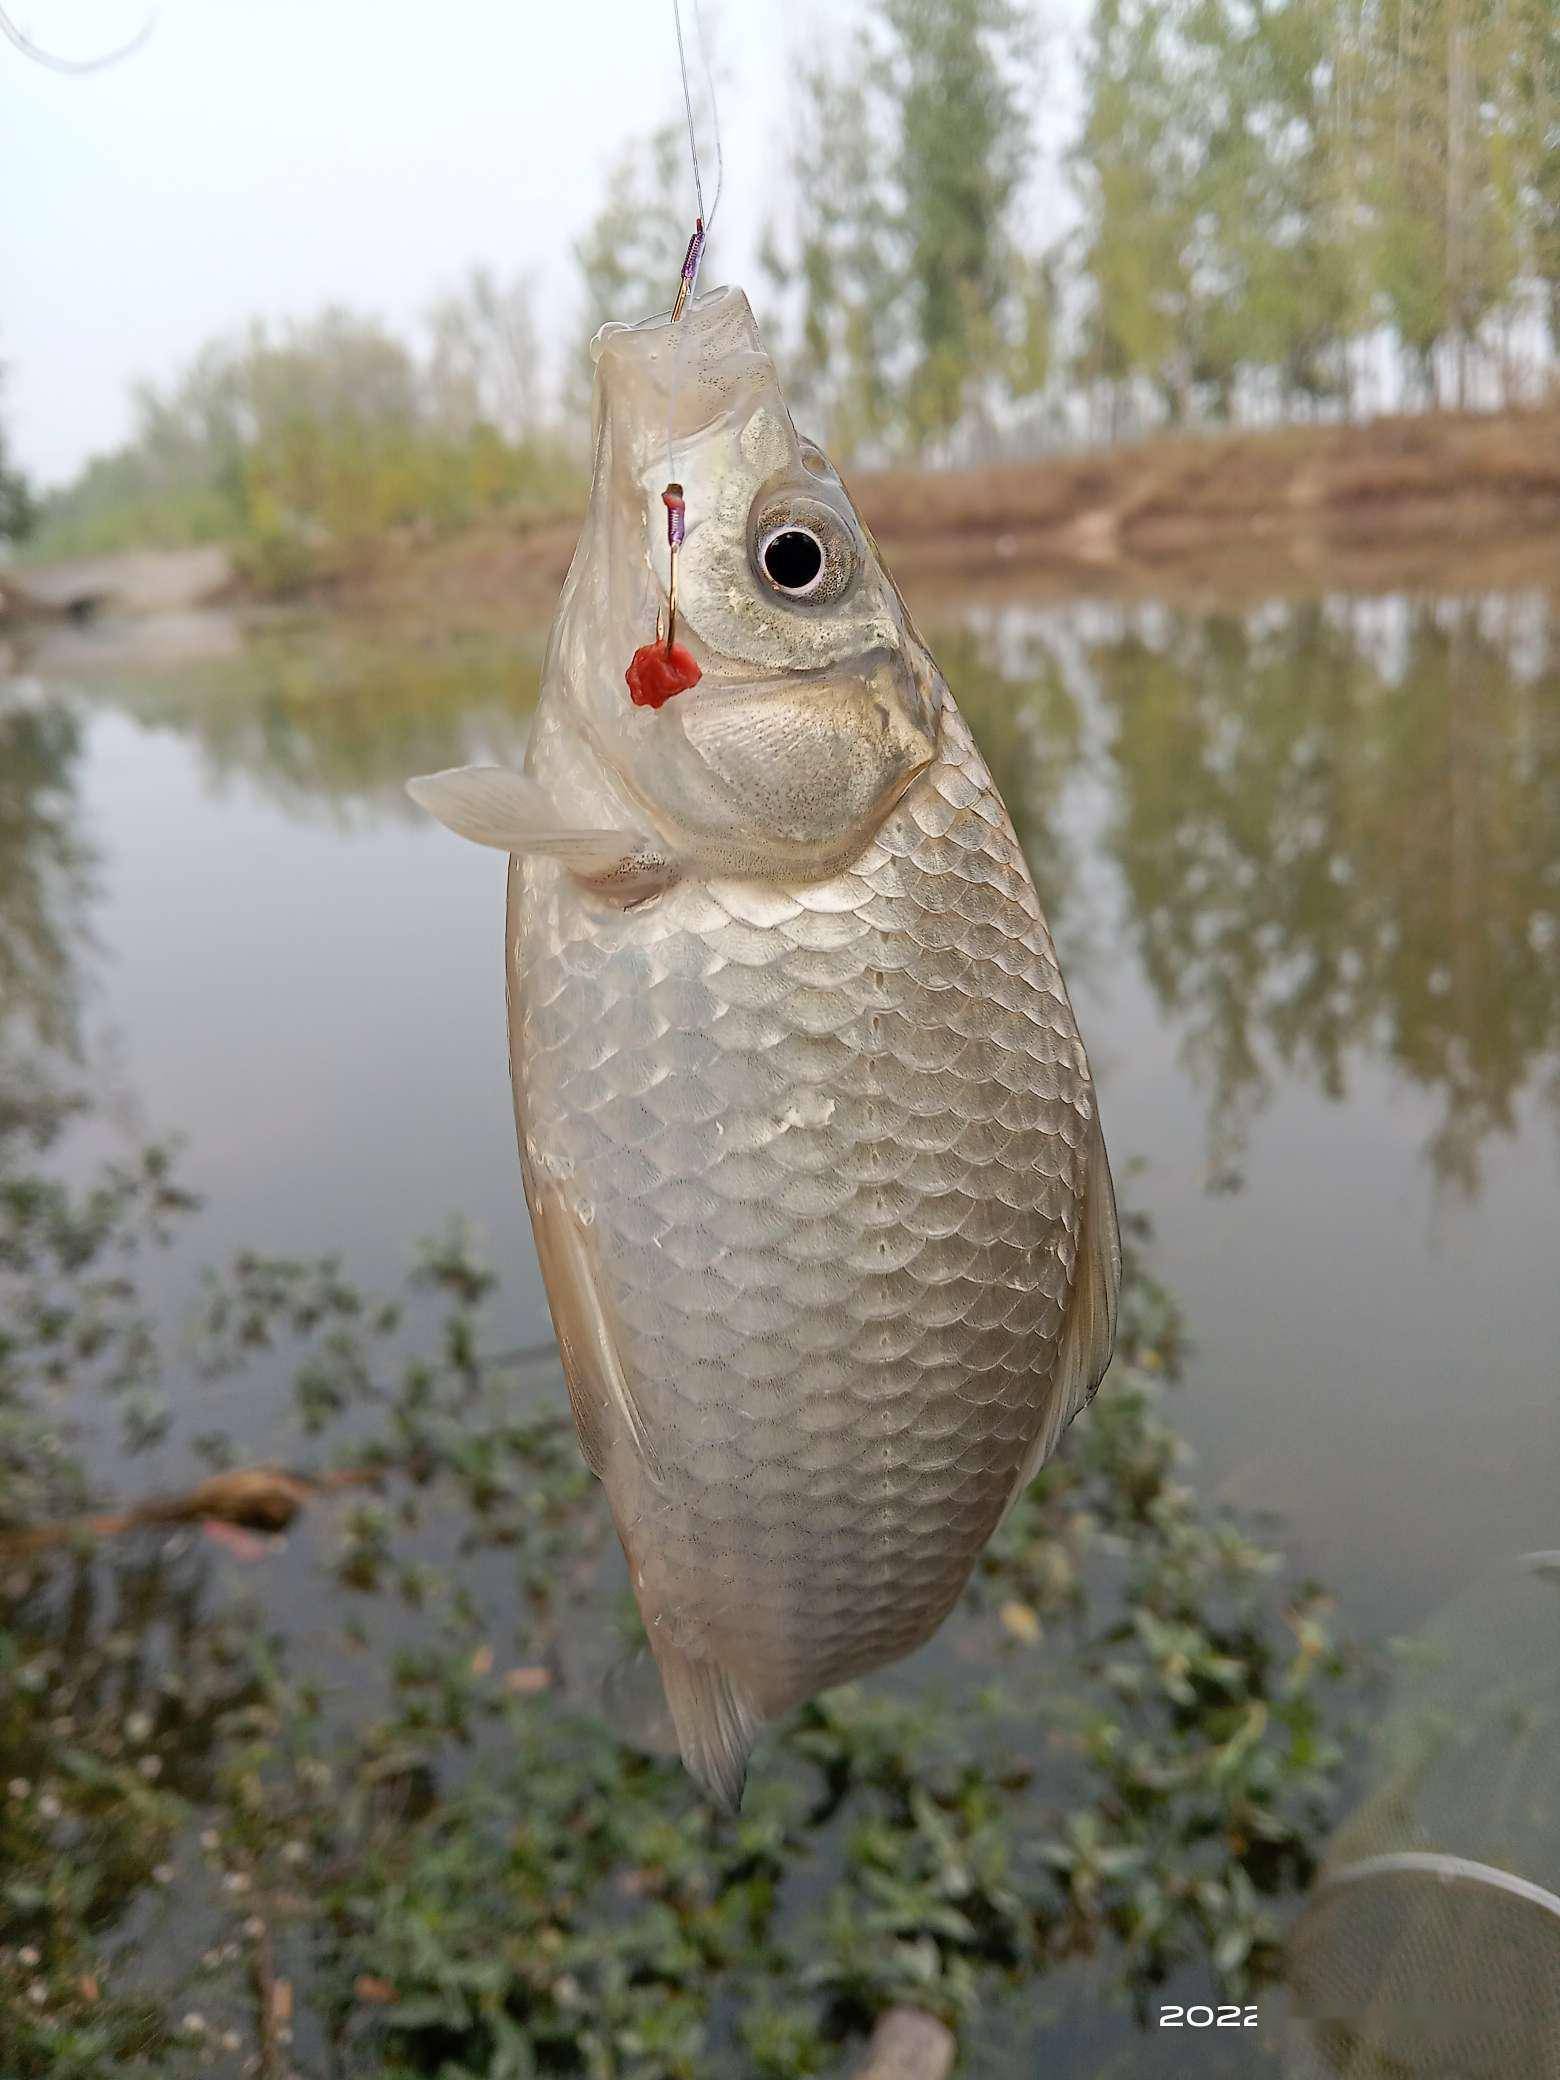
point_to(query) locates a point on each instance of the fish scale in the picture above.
(820, 1198)
(854, 1119)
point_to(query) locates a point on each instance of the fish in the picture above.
(808, 1134)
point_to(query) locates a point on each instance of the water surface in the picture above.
(1303, 865)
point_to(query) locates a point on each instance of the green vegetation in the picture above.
(305, 446)
(44, 875)
(17, 507)
(397, 1838)
(1270, 198)
(916, 295)
(1263, 189)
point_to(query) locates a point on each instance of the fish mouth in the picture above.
(679, 377)
(721, 675)
(782, 773)
(708, 307)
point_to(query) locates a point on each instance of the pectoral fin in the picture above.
(713, 1723)
(600, 1391)
(510, 811)
(1089, 1333)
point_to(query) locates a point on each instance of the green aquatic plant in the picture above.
(350, 1805)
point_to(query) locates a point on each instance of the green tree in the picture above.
(1219, 235)
(630, 258)
(1263, 184)
(916, 300)
(841, 261)
(1276, 284)
(300, 444)
(1440, 113)
(1534, 87)
(18, 508)
(1133, 165)
(963, 151)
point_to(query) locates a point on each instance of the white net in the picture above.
(1430, 1948)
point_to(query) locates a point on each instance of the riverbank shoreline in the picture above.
(1240, 515)
(1235, 516)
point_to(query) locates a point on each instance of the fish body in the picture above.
(807, 1130)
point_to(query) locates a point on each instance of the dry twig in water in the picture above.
(251, 1498)
(908, 2044)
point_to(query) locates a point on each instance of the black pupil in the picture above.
(793, 559)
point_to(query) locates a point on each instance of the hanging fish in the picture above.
(808, 1134)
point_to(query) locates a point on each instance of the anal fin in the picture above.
(716, 1726)
(633, 1700)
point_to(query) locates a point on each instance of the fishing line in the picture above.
(706, 216)
(687, 286)
(660, 669)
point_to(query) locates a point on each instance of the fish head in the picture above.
(816, 702)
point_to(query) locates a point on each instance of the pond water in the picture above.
(1302, 861)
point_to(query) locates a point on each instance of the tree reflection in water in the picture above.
(1336, 822)
(1338, 827)
(44, 886)
(344, 1780)
(328, 716)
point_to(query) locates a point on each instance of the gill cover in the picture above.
(817, 702)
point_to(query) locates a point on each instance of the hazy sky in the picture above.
(270, 156)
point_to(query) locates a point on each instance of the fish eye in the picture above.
(803, 550)
(792, 558)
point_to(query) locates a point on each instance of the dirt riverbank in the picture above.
(1395, 504)
(1240, 515)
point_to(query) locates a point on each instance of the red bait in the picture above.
(657, 672)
